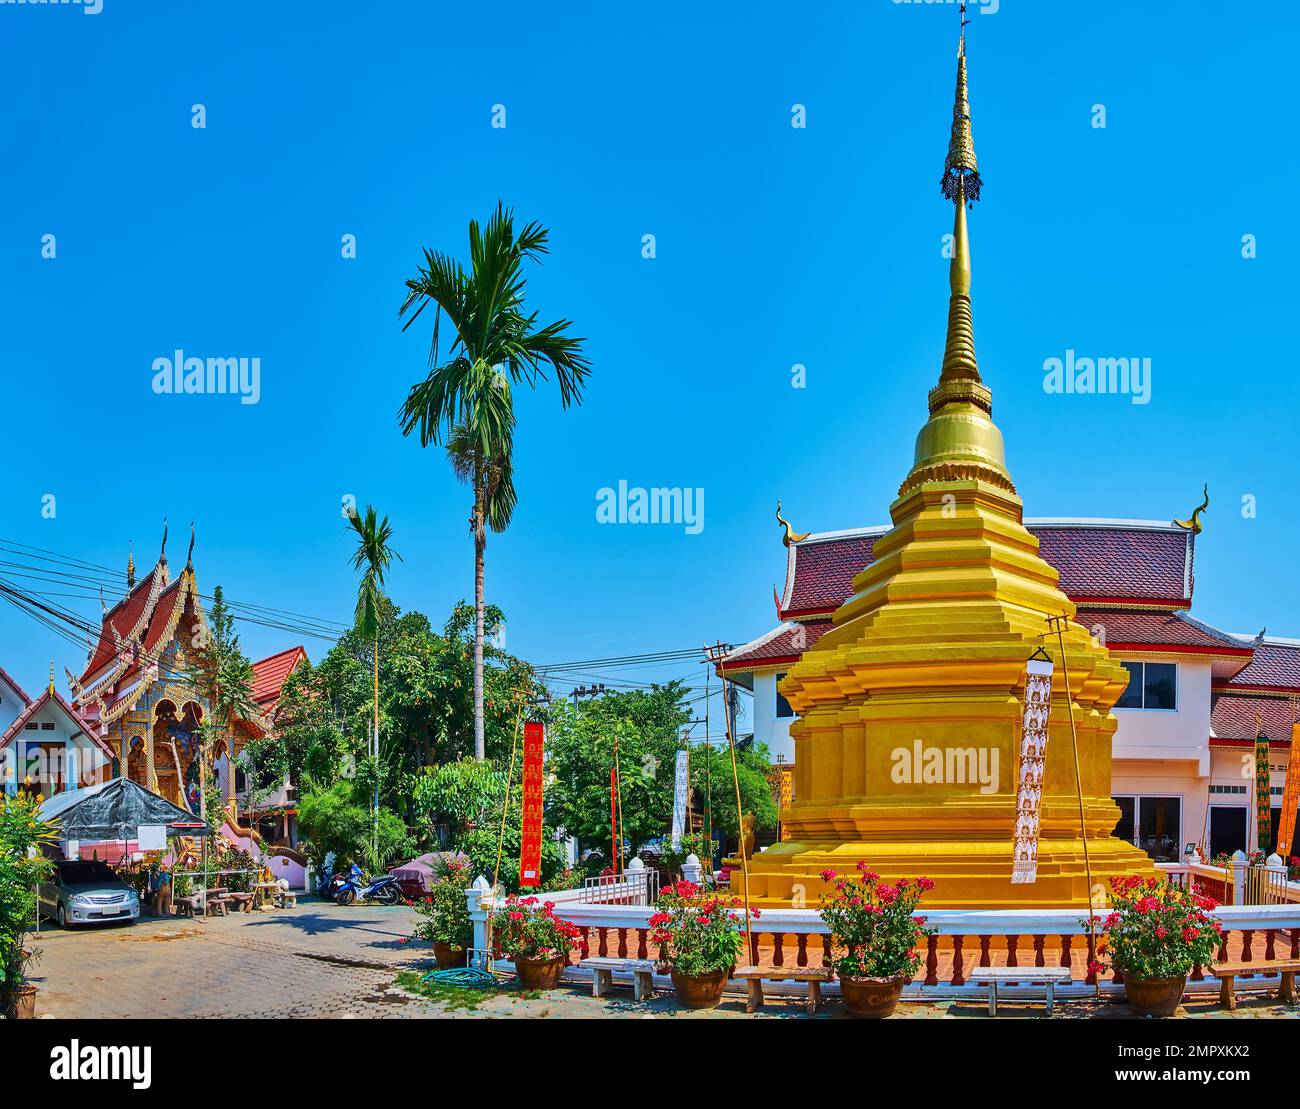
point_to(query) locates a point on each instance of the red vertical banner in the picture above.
(530, 847)
(613, 820)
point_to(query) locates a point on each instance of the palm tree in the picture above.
(372, 557)
(466, 401)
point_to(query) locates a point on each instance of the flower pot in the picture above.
(448, 956)
(25, 1002)
(700, 991)
(539, 974)
(872, 997)
(1154, 997)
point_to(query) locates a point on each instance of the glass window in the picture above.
(1132, 698)
(1152, 685)
(1161, 686)
(783, 709)
(1159, 825)
(1124, 829)
(1227, 829)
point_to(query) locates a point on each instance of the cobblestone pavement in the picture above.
(320, 960)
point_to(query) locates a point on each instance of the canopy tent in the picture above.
(115, 810)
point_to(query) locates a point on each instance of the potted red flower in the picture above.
(874, 936)
(537, 941)
(444, 916)
(1156, 933)
(698, 933)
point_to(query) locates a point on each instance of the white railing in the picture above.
(964, 939)
(1239, 883)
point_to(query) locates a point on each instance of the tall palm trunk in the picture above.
(375, 810)
(480, 747)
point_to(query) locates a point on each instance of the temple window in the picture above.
(1152, 686)
(783, 709)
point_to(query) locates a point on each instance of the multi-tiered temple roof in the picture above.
(1132, 580)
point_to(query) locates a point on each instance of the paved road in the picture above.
(318, 960)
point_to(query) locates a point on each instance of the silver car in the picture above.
(87, 893)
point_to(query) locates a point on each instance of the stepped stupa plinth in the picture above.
(928, 657)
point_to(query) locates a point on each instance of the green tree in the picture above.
(21, 830)
(467, 400)
(580, 755)
(218, 670)
(373, 556)
(712, 783)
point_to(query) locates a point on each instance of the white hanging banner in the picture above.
(679, 796)
(1037, 707)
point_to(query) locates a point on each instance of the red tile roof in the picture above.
(123, 617)
(1174, 630)
(1098, 560)
(1232, 716)
(786, 643)
(270, 674)
(8, 679)
(1276, 665)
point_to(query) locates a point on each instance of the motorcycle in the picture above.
(328, 883)
(356, 887)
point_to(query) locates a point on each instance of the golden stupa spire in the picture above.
(959, 379)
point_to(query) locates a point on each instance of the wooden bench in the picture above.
(189, 906)
(602, 976)
(754, 977)
(1047, 977)
(1226, 973)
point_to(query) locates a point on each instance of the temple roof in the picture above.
(270, 674)
(7, 679)
(1275, 666)
(1233, 716)
(1129, 562)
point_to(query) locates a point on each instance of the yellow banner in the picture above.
(1290, 797)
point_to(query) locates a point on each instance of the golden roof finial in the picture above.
(51, 677)
(961, 166)
(959, 379)
(130, 566)
(1194, 525)
(790, 536)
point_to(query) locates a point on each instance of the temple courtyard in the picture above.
(322, 960)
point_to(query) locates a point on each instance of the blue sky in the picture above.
(774, 246)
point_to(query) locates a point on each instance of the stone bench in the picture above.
(1047, 977)
(1227, 973)
(603, 971)
(754, 977)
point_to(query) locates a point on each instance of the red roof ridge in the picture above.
(8, 679)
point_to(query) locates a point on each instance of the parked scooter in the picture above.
(356, 887)
(329, 883)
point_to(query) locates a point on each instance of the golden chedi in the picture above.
(907, 742)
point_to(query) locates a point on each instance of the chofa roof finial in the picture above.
(1194, 524)
(790, 536)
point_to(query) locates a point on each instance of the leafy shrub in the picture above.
(1156, 930)
(444, 912)
(696, 929)
(874, 927)
(526, 931)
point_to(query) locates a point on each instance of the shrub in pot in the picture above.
(874, 936)
(536, 940)
(22, 866)
(1155, 934)
(698, 933)
(444, 916)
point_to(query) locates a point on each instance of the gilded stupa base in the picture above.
(966, 875)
